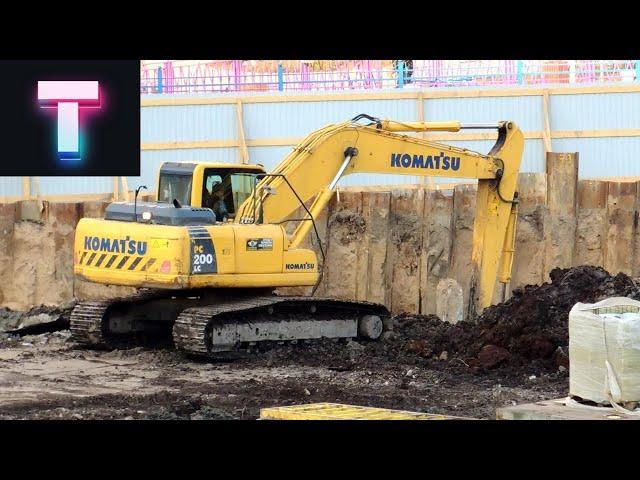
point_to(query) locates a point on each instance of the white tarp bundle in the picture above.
(604, 351)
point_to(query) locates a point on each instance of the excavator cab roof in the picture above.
(185, 168)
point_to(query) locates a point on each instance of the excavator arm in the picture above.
(313, 168)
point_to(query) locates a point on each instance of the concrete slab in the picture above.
(557, 410)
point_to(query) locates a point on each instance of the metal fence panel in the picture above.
(188, 123)
(80, 185)
(10, 186)
(298, 119)
(278, 119)
(526, 111)
(592, 112)
(603, 157)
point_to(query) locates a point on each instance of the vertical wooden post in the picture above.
(562, 189)
(242, 141)
(420, 109)
(36, 187)
(125, 189)
(26, 188)
(546, 132)
(116, 187)
(426, 180)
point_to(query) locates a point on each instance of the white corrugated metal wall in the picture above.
(169, 133)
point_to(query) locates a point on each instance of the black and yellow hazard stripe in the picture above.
(116, 261)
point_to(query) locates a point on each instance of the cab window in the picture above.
(225, 190)
(174, 186)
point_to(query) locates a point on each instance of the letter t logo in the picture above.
(68, 97)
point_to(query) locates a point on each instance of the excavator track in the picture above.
(210, 327)
(209, 330)
(86, 323)
(87, 320)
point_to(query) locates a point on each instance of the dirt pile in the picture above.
(530, 330)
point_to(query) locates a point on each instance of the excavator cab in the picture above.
(221, 187)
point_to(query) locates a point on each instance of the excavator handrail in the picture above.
(311, 218)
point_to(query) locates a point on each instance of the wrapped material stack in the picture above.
(604, 351)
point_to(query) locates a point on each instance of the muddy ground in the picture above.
(516, 352)
(46, 377)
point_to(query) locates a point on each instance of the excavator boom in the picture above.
(313, 168)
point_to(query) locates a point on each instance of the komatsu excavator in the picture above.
(209, 252)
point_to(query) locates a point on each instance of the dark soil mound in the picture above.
(528, 330)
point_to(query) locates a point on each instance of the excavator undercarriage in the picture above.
(202, 325)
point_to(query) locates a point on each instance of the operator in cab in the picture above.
(219, 206)
(214, 199)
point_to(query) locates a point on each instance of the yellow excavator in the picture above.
(209, 252)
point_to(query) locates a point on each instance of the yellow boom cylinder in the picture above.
(395, 126)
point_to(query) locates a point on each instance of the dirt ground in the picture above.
(46, 377)
(516, 352)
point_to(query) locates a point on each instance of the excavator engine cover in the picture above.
(159, 214)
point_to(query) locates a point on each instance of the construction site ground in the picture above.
(46, 377)
(515, 352)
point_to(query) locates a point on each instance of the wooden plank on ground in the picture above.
(557, 410)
